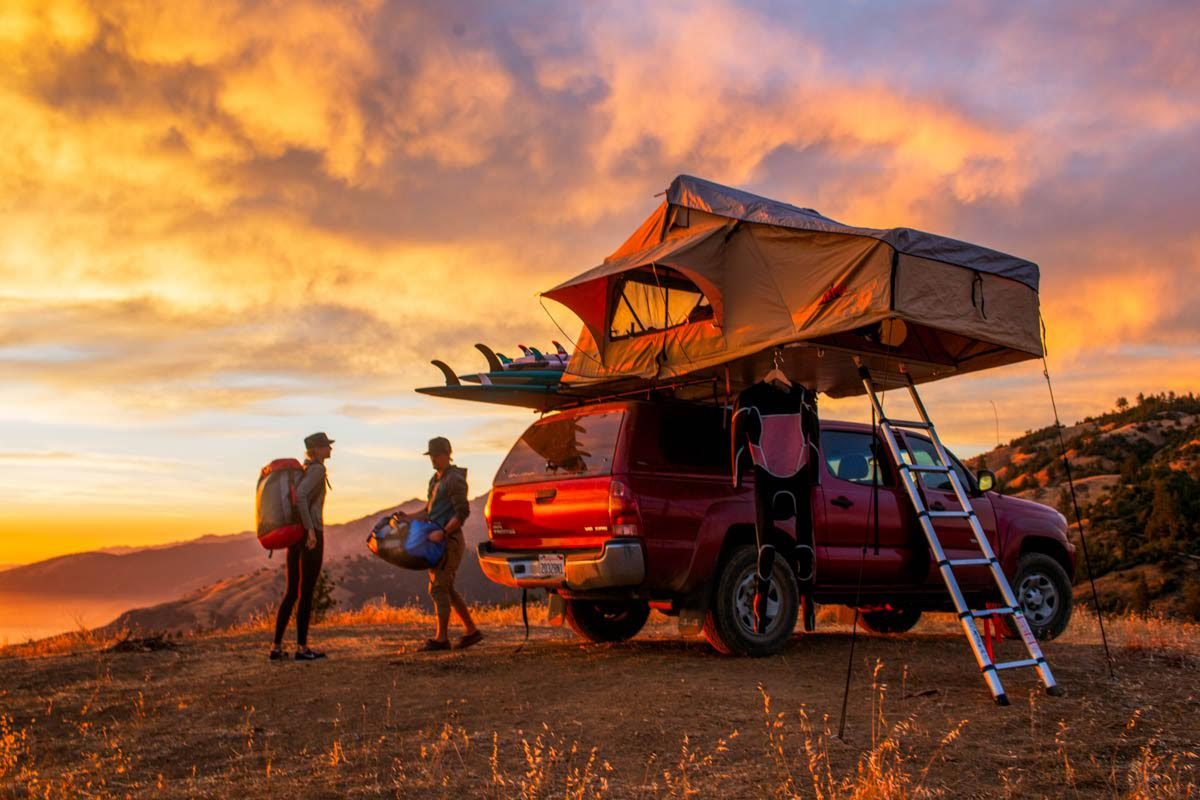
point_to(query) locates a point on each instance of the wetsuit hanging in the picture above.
(775, 424)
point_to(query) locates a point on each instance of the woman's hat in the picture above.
(317, 440)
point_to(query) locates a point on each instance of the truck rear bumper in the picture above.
(619, 562)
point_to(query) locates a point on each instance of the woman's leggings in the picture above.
(303, 568)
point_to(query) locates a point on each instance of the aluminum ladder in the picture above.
(966, 615)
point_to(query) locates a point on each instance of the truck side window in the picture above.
(850, 457)
(694, 438)
(922, 450)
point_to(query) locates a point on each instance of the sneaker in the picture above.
(308, 655)
(433, 645)
(278, 655)
(469, 639)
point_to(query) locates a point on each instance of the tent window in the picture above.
(653, 300)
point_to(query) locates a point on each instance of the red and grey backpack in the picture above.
(276, 515)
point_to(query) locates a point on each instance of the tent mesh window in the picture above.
(655, 299)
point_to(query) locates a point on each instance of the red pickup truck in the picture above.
(621, 507)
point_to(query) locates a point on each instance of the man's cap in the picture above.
(317, 440)
(438, 446)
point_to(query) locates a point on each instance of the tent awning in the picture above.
(589, 294)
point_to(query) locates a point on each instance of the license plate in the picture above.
(551, 566)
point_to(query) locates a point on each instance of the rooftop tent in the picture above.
(716, 279)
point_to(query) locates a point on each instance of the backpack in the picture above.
(276, 516)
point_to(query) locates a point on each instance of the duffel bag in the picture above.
(406, 543)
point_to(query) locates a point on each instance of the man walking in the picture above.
(448, 508)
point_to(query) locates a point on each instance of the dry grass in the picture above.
(1153, 635)
(114, 726)
(383, 614)
(82, 640)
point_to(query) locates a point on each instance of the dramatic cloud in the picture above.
(234, 220)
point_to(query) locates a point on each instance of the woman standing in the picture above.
(304, 557)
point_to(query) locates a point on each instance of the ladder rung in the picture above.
(949, 514)
(969, 562)
(925, 468)
(904, 423)
(991, 612)
(1025, 662)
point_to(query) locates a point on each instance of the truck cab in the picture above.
(620, 507)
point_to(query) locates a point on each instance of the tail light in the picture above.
(623, 516)
(487, 514)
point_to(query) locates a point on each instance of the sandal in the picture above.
(432, 645)
(475, 637)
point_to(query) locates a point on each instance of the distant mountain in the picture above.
(150, 574)
(1137, 477)
(357, 575)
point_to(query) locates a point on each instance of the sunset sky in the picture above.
(228, 224)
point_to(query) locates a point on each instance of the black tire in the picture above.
(729, 625)
(890, 620)
(607, 620)
(1043, 593)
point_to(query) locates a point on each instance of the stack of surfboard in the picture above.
(530, 380)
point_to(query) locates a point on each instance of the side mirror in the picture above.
(986, 480)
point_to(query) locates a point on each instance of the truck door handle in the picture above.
(543, 495)
(937, 506)
(841, 502)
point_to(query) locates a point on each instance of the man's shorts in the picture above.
(441, 577)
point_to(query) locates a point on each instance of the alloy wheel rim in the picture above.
(1038, 598)
(744, 605)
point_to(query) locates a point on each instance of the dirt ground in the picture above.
(655, 717)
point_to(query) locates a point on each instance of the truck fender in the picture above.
(720, 518)
(1032, 534)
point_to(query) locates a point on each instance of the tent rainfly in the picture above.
(718, 281)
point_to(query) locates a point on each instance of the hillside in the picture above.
(1137, 476)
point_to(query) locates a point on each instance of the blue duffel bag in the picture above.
(406, 543)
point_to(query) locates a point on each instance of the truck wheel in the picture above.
(607, 621)
(1043, 593)
(729, 623)
(890, 620)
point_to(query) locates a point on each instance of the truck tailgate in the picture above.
(558, 514)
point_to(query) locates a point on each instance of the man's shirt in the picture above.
(448, 496)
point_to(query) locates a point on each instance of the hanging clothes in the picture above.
(776, 429)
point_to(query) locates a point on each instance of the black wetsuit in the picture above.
(777, 430)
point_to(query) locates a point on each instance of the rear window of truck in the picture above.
(576, 446)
